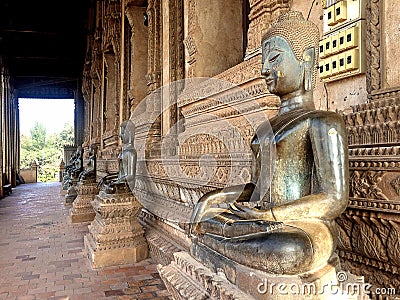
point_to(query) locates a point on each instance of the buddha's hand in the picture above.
(209, 205)
(250, 213)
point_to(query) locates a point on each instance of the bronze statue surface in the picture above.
(88, 175)
(125, 178)
(77, 166)
(290, 230)
(73, 169)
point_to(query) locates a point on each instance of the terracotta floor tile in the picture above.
(42, 254)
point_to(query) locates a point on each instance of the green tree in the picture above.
(67, 135)
(38, 134)
(46, 150)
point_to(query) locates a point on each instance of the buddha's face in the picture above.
(282, 70)
(121, 132)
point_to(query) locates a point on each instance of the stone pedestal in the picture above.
(82, 209)
(115, 236)
(212, 276)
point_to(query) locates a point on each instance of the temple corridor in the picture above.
(42, 254)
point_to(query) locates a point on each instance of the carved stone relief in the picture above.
(369, 229)
(170, 186)
(262, 13)
(373, 46)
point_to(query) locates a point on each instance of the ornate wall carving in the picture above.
(262, 14)
(370, 227)
(374, 82)
(170, 186)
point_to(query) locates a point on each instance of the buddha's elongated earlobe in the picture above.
(309, 59)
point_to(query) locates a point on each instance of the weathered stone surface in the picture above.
(187, 278)
(163, 240)
(115, 236)
(370, 226)
(153, 57)
(82, 209)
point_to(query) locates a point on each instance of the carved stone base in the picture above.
(216, 277)
(82, 209)
(115, 236)
(163, 239)
(186, 278)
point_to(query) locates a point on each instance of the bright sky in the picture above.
(52, 113)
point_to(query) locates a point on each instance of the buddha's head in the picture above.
(127, 132)
(289, 55)
(122, 128)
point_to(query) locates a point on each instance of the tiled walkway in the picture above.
(42, 254)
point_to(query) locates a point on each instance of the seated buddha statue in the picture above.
(77, 167)
(120, 181)
(88, 175)
(308, 188)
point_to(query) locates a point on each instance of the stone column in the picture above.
(138, 59)
(153, 77)
(96, 127)
(173, 69)
(79, 117)
(115, 236)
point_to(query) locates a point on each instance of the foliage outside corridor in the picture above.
(45, 149)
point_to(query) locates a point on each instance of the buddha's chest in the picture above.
(291, 176)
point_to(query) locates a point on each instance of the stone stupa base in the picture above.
(115, 235)
(82, 209)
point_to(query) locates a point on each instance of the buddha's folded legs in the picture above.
(278, 248)
(231, 226)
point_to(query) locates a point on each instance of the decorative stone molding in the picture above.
(112, 21)
(368, 242)
(374, 76)
(115, 236)
(163, 240)
(191, 49)
(370, 226)
(185, 278)
(154, 45)
(82, 209)
(262, 14)
(219, 278)
(110, 145)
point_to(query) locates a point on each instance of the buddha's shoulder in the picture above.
(323, 116)
(300, 116)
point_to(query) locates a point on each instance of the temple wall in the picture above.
(370, 226)
(178, 131)
(390, 37)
